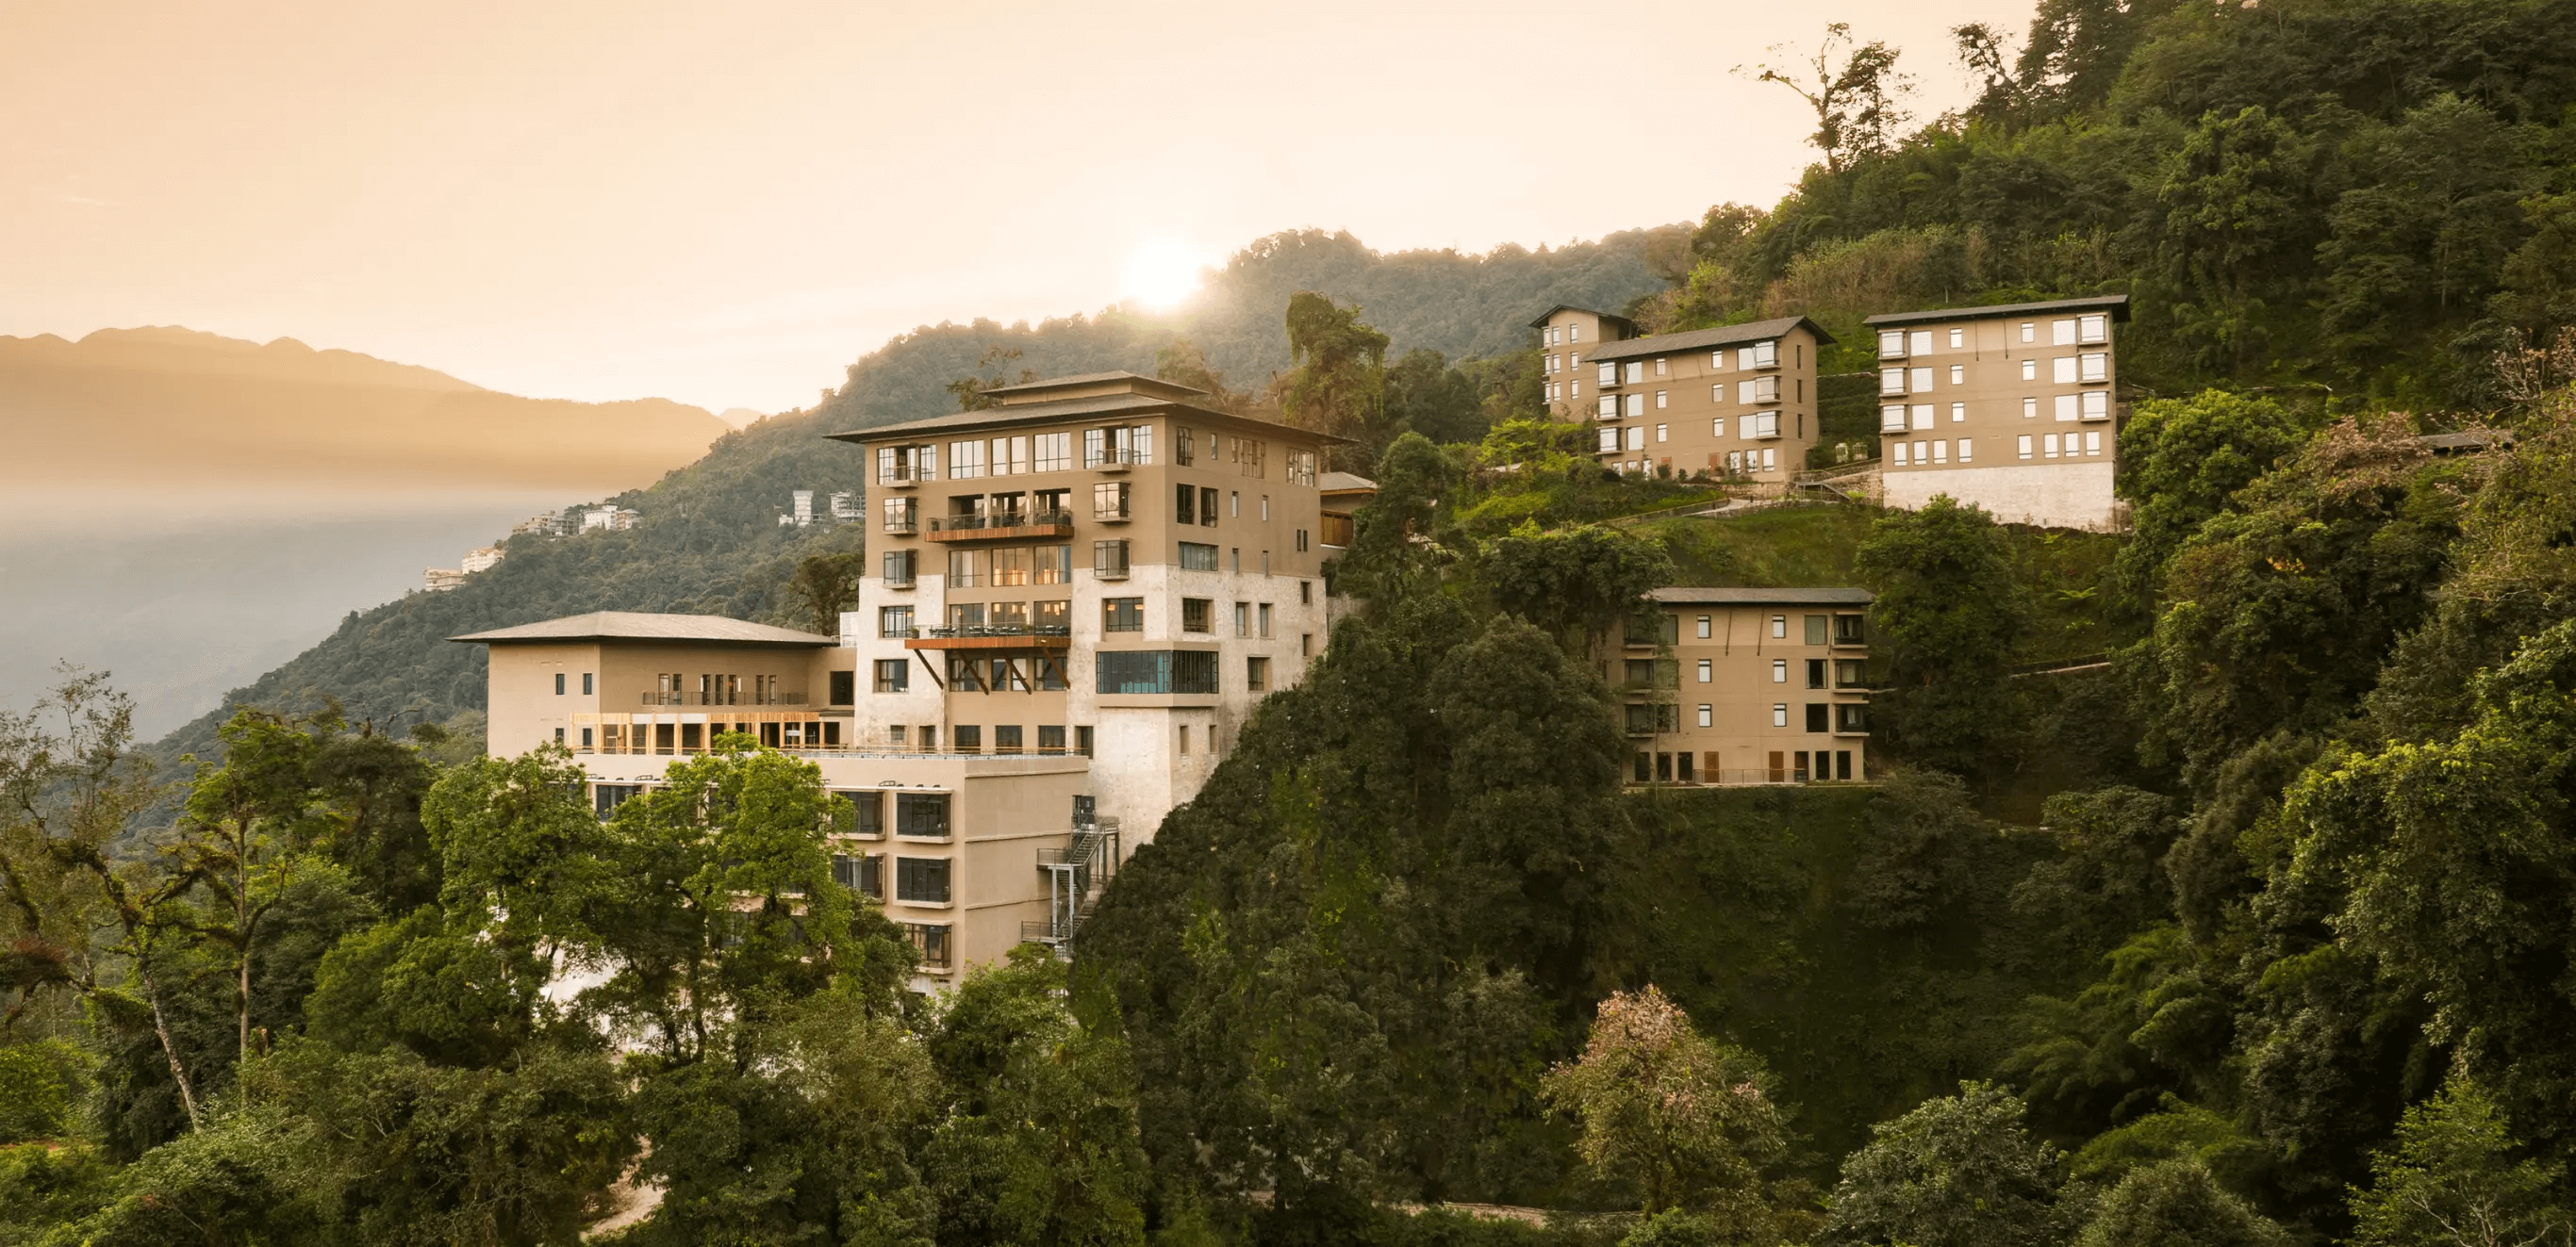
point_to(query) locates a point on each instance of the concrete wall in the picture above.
(2061, 495)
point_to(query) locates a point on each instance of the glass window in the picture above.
(2061, 333)
(1011, 567)
(969, 569)
(1891, 344)
(1967, 451)
(921, 813)
(1779, 671)
(1197, 557)
(1052, 452)
(1207, 508)
(1055, 614)
(1707, 669)
(899, 565)
(1051, 565)
(2094, 328)
(1122, 614)
(1156, 671)
(1109, 500)
(1006, 738)
(1051, 738)
(1198, 615)
(922, 880)
(1919, 342)
(2097, 404)
(1707, 715)
(1958, 338)
(929, 942)
(1780, 627)
(894, 675)
(2066, 406)
(1301, 467)
(894, 621)
(1109, 560)
(861, 873)
(965, 460)
(2094, 366)
(1185, 504)
(2021, 445)
(1256, 675)
(1780, 714)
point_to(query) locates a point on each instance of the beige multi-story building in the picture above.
(1746, 686)
(1738, 401)
(1567, 336)
(1096, 565)
(2009, 407)
(1077, 599)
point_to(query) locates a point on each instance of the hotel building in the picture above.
(1076, 599)
(2010, 407)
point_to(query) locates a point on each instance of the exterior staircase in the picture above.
(1077, 872)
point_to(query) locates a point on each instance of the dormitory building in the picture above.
(2010, 407)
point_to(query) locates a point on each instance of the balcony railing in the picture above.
(1118, 459)
(721, 699)
(987, 630)
(903, 581)
(1008, 523)
(903, 477)
(1110, 515)
(904, 527)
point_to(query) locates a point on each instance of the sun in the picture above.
(1159, 274)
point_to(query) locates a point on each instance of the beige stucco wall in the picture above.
(1976, 392)
(1692, 418)
(1741, 690)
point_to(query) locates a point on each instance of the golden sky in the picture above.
(726, 203)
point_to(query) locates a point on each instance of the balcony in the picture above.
(721, 699)
(991, 636)
(1008, 526)
(904, 477)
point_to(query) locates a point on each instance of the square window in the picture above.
(2061, 370)
(893, 675)
(1122, 614)
(1006, 738)
(2066, 409)
(2061, 333)
(921, 880)
(1051, 739)
(1197, 615)
(1920, 341)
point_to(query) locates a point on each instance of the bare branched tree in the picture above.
(1855, 92)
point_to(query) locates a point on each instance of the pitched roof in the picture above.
(639, 626)
(1345, 483)
(1093, 378)
(1702, 339)
(1692, 595)
(1622, 321)
(1062, 409)
(2116, 304)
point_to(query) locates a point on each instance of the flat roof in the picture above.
(1063, 409)
(1541, 322)
(1697, 596)
(641, 626)
(2116, 304)
(1701, 339)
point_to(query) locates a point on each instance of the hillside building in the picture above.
(2012, 408)
(481, 559)
(1077, 599)
(1745, 686)
(1738, 401)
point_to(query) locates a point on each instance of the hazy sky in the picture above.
(727, 203)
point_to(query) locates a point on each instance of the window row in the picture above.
(682, 738)
(1920, 417)
(1788, 768)
(1010, 567)
(919, 880)
(2090, 329)
(1929, 453)
(969, 738)
(2055, 446)
(2091, 367)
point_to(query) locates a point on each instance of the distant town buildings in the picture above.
(442, 579)
(609, 519)
(478, 560)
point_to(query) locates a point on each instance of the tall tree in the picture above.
(1947, 615)
(1854, 91)
(1688, 1121)
(1339, 385)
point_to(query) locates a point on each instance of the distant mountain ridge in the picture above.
(169, 407)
